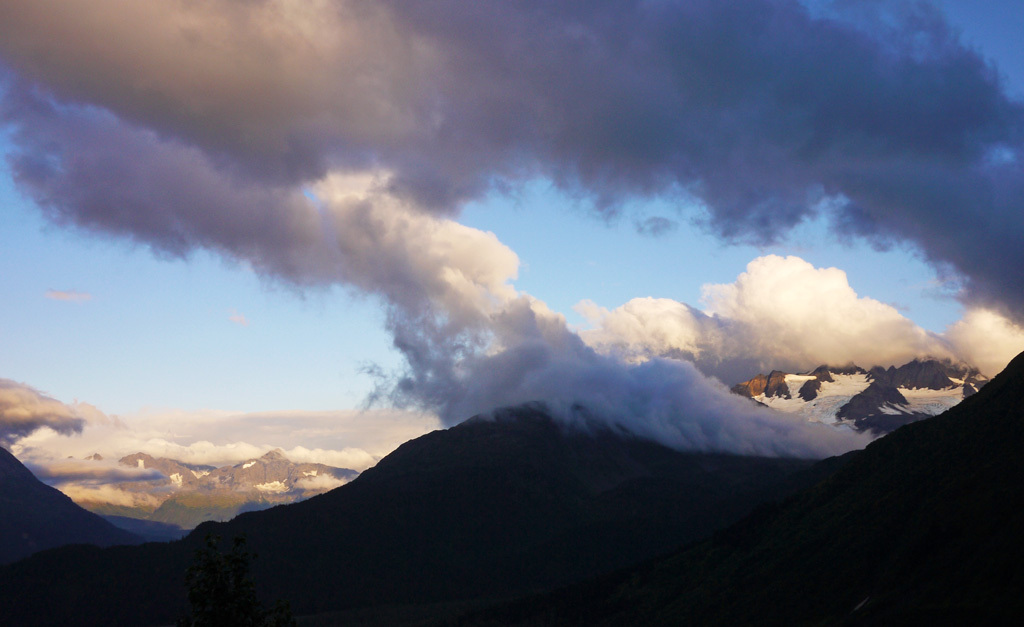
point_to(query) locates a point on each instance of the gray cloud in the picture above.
(758, 109)
(24, 409)
(655, 226)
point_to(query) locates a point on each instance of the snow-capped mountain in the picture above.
(271, 474)
(189, 494)
(879, 399)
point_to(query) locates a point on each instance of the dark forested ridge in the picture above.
(34, 516)
(486, 509)
(925, 526)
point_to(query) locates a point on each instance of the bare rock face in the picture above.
(930, 374)
(809, 390)
(777, 385)
(823, 373)
(753, 387)
(871, 400)
(772, 385)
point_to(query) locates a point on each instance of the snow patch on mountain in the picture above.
(832, 397)
(879, 399)
(272, 486)
(925, 401)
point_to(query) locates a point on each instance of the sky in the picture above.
(333, 226)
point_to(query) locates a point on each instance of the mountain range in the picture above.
(878, 399)
(496, 506)
(34, 516)
(190, 494)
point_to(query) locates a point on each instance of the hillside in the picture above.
(34, 516)
(922, 527)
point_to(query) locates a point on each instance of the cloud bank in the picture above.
(346, 439)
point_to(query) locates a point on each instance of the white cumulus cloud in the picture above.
(784, 313)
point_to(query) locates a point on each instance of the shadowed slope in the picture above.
(34, 516)
(924, 526)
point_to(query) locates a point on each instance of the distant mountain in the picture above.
(34, 516)
(923, 527)
(879, 399)
(492, 507)
(192, 494)
(148, 530)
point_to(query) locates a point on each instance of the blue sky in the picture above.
(203, 330)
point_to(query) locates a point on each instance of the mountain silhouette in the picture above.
(493, 507)
(922, 527)
(34, 516)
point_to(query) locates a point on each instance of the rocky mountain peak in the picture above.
(880, 399)
(276, 455)
(824, 373)
(772, 385)
(188, 494)
(148, 461)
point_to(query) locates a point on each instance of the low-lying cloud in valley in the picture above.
(333, 143)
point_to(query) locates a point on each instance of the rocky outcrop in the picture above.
(929, 374)
(871, 401)
(847, 370)
(753, 387)
(809, 390)
(823, 373)
(773, 385)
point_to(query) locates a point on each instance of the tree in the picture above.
(222, 593)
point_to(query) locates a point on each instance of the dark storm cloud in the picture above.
(761, 112)
(758, 109)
